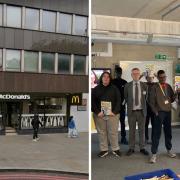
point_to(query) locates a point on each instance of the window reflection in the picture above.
(48, 62)
(13, 16)
(12, 60)
(79, 64)
(48, 21)
(65, 23)
(30, 61)
(81, 25)
(32, 19)
(64, 63)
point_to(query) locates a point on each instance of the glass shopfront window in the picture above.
(51, 112)
(48, 61)
(49, 21)
(12, 60)
(81, 25)
(79, 64)
(13, 16)
(32, 19)
(64, 62)
(65, 23)
(30, 61)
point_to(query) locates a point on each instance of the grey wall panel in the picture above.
(19, 39)
(2, 37)
(9, 38)
(27, 39)
(70, 6)
(43, 41)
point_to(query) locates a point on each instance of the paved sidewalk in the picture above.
(52, 152)
(113, 168)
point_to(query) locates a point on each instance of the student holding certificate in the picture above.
(106, 107)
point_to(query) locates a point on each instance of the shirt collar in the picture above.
(134, 82)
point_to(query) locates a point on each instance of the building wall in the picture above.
(32, 82)
(123, 52)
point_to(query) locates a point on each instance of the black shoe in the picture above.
(117, 153)
(130, 152)
(103, 154)
(145, 152)
(124, 141)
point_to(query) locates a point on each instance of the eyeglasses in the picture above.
(162, 77)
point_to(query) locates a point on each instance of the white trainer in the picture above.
(153, 158)
(171, 154)
(34, 140)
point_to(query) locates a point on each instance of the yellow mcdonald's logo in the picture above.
(75, 99)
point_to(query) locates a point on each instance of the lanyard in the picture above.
(162, 90)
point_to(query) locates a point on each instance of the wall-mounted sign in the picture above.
(160, 56)
(83, 107)
(14, 97)
(76, 99)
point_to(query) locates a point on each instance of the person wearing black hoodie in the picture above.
(35, 124)
(106, 102)
(120, 84)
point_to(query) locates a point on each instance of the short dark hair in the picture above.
(160, 72)
(118, 70)
(100, 79)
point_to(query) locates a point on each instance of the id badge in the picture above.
(166, 102)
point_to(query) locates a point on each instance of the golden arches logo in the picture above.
(75, 99)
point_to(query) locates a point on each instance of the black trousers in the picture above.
(35, 134)
(122, 122)
(163, 118)
(149, 118)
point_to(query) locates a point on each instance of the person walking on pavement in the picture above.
(161, 97)
(35, 124)
(106, 102)
(120, 84)
(135, 96)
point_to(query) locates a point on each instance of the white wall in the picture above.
(81, 117)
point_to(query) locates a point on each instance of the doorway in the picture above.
(12, 114)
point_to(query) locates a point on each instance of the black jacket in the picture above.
(120, 84)
(106, 93)
(35, 122)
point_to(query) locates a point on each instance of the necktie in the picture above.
(136, 95)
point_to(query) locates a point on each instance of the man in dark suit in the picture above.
(135, 96)
(161, 98)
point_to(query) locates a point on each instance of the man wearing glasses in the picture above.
(161, 98)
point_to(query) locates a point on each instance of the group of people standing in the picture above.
(146, 101)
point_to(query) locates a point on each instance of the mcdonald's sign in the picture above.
(76, 99)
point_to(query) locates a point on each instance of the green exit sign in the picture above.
(160, 56)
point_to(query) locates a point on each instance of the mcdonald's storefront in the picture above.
(54, 109)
